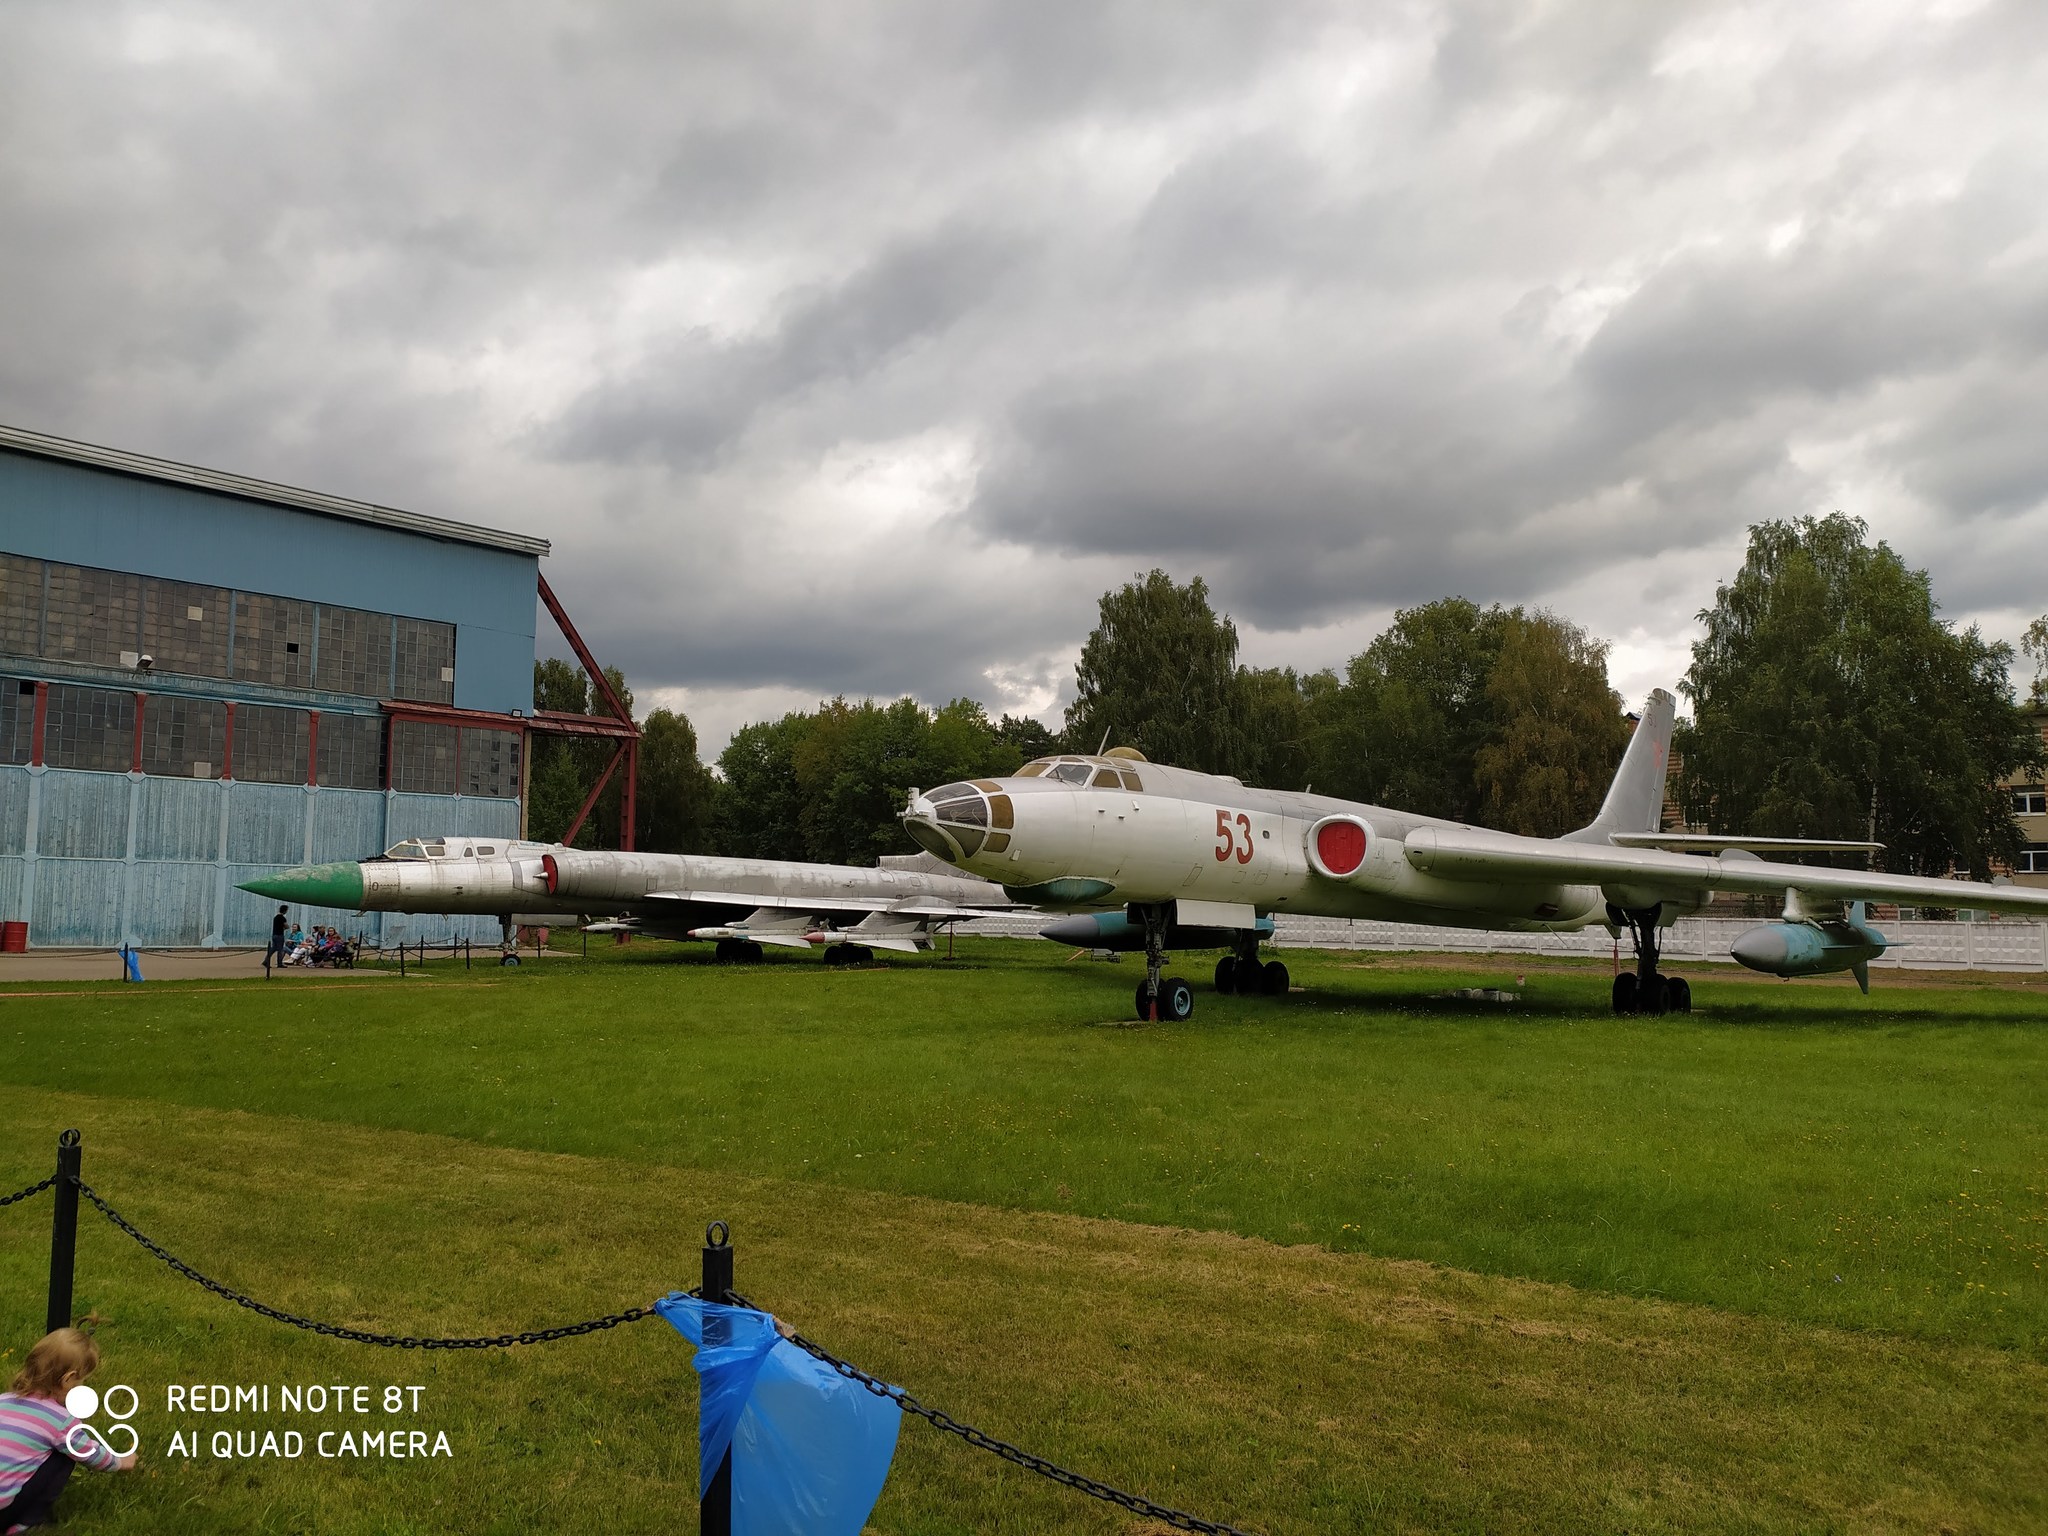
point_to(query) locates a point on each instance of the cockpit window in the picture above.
(484, 850)
(1106, 779)
(416, 848)
(1033, 770)
(1072, 773)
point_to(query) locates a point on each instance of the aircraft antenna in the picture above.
(1105, 743)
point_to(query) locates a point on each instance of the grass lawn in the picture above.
(1775, 1266)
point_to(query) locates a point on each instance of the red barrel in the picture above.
(13, 938)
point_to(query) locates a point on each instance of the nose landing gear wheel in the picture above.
(1226, 975)
(1176, 1000)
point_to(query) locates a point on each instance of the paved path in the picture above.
(159, 965)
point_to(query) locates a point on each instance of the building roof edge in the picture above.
(44, 445)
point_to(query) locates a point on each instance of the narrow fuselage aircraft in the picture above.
(740, 904)
(1198, 860)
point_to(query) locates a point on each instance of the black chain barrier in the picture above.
(335, 1330)
(1080, 1482)
(33, 1189)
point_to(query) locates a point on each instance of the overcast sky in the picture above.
(857, 348)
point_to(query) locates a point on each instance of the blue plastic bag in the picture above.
(810, 1449)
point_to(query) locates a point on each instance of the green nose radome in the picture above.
(315, 885)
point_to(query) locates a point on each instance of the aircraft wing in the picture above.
(1459, 853)
(820, 905)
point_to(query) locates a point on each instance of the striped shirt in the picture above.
(31, 1428)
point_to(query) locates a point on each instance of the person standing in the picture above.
(276, 950)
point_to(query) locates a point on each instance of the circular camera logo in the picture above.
(82, 1402)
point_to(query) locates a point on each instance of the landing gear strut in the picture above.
(1645, 990)
(1160, 999)
(508, 942)
(1241, 972)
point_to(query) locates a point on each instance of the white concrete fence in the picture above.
(1931, 946)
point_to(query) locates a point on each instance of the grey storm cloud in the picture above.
(859, 348)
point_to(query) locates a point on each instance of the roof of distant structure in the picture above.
(43, 445)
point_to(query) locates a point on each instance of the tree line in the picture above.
(1828, 699)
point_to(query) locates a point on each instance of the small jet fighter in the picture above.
(740, 904)
(1199, 859)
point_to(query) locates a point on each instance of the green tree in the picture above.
(1557, 730)
(1405, 727)
(673, 806)
(829, 785)
(1830, 700)
(1031, 737)
(564, 767)
(1273, 704)
(758, 809)
(1159, 673)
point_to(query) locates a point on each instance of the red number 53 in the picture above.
(1226, 837)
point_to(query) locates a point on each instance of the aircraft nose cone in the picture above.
(314, 885)
(920, 819)
(1761, 949)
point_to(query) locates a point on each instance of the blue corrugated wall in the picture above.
(99, 859)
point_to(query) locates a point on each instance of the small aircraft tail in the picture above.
(1635, 800)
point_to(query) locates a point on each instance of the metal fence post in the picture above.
(714, 1515)
(64, 1231)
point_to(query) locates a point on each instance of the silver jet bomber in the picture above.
(740, 904)
(1198, 859)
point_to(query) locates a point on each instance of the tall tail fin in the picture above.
(1635, 800)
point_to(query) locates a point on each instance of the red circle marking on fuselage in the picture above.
(1341, 846)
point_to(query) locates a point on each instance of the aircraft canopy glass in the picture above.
(1096, 772)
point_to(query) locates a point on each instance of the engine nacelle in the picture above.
(1342, 848)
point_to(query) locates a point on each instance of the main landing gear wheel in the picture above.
(1645, 990)
(1176, 1000)
(1226, 975)
(1273, 979)
(727, 951)
(849, 954)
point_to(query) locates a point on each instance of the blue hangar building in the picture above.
(205, 678)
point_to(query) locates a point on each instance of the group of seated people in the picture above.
(317, 946)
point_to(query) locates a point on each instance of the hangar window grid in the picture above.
(90, 728)
(423, 757)
(91, 616)
(273, 640)
(354, 651)
(351, 751)
(183, 737)
(185, 627)
(17, 719)
(2033, 860)
(21, 605)
(424, 667)
(490, 763)
(271, 744)
(111, 618)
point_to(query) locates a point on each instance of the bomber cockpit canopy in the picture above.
(1112, 772)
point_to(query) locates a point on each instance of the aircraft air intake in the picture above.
(1339, 846)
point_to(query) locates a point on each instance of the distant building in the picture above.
(2030, 806)
(205, 677)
